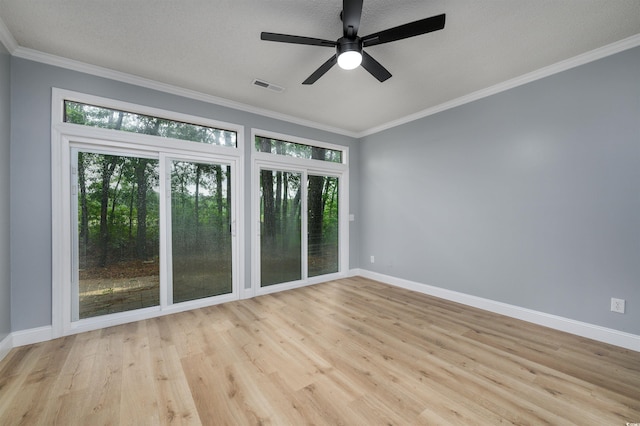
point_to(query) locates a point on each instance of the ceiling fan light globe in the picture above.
(350, 60)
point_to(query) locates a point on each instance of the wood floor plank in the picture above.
(174, 398)
(351, 351)
(101, 403)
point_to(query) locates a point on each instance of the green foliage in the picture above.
(297, 150)
(106, 118)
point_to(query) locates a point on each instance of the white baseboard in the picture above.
(5, 346)
(590, 331)
(25, 337)
(32, 335)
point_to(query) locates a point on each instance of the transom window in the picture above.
(298, 150)
(113, 119)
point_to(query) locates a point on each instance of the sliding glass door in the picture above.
(138, 237)
(201, 227)
(323, 240)
(280, 227)
(117, 235)
(299, 225)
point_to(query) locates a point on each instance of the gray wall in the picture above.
(31, 178)
(528, 197)
(5, 276)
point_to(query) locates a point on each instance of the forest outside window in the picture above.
(145, 212)
(301, 207)
(298, 150)
(113, 119)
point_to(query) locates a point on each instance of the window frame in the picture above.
(307, 167)
(153, 113)
(67, 136)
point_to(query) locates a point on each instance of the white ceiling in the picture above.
(214, 47)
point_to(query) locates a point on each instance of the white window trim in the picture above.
(68, 95)
(303, 141)
(306, 167)
(64, 136)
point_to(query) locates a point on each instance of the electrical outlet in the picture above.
(373, 259)
(617, 305)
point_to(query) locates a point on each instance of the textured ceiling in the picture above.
(214, 47)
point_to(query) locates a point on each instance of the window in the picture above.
(109, 118)
(297, 150)
(145, 212)
(300, 205)
(201, 230)
(116, 233)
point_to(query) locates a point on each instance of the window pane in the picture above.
(200, 223)
(280, 227)
(322, 225)
(106, 118)
(118, 234)
(292, 149)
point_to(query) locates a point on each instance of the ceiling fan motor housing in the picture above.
(348, 45)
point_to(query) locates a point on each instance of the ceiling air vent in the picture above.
(267, 85)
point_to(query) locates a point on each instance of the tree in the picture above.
(109, 164)
(141, 206)
(84, 210)
(315, 203)
(268, 206)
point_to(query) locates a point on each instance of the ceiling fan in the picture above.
(349, 53)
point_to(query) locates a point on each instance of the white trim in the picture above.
(302, 141)
(595, 332)
(6, 38)
(558, 67)
(276, 288)
(65, 136)
(57, 61)
(6, 345)
(247, 293)
(111, 320)
(60, 95)
(32, 335)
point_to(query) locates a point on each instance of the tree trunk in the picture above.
(219, 179)
(228, 217)
(108, 166)
(278, 200)
(141, 201)
(315, 205)
(269, 226)
(84, 210)
(114, 200)
(142, 183)
(131, 198)
(197, 205)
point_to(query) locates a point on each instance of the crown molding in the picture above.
(61, 62)
(10, 43)
(585, 58)
(6, 38)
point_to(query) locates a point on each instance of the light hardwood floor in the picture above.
(352, 352)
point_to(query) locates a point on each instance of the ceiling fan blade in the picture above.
(374, 67)
(351, 14)
(285, 38)
(322, 70)
(411, 29)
